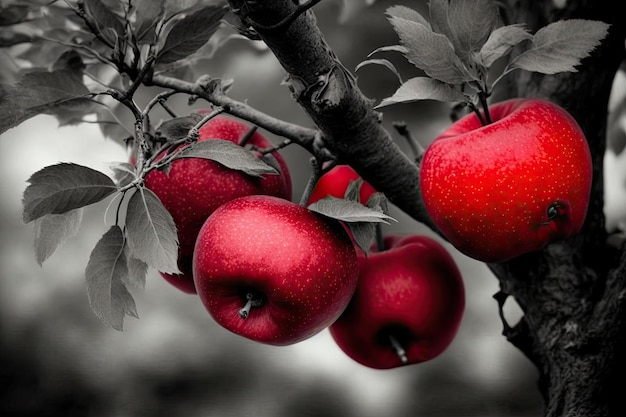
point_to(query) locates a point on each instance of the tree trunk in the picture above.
(573, 293)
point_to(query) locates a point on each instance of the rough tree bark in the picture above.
(573, 294)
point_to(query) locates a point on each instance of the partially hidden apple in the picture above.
(335, 183)
(407, 307)
(194, 187)
(512, 186)
(273, 271)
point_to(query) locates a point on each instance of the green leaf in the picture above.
(471, 23)
(105, 18)
(229, 154)
(123, 173)
(106, 272)
(57, 189)
(501, 42)
(423, 88)
(560, 46)
(353, 191)
(151, 232)
(431, 52)
(190, 33)
(408, 14)
(52, 230)
(348, 211)
(40, 92)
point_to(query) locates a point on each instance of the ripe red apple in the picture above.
(273, 271)
(510, 187)
(194, 188)
(335, 183)
(407, 307)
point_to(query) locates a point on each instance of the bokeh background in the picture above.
(58, 359)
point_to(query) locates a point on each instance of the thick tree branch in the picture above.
(328, 93)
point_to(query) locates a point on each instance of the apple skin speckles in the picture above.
(489, 188)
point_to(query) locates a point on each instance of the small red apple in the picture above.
(273, 271)
(407, 307)
(510, 187)
(335, 183)
(193, 188)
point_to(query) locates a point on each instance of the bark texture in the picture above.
(573, 293)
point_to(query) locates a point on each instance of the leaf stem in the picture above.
(380, 238)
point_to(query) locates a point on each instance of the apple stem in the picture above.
(315, 176)
(380, 238)
(246, 138)
(398, 348)
(483, 102)
(252, 300)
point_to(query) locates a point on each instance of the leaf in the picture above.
(408, 14)
(190, 33)
(431, 52)
(105, 18)
(105, 273)
(57, 189)
(137, 272)
(151, 232)
(40, 92)
(363, 234)
(471, 21)
(423, 88)
(353, 191)
(13, 14)
(123, 173)
(173, 130)
(71, 61)
(348, 211)
(501, 42)
(228, 154)
(384, 62)
(560, 46)
(52, 230)
(148, 13)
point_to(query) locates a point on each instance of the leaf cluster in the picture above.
(457, 47)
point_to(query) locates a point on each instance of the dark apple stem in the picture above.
(252, 300)
(380, 238)
(315, 176)
(246, 138)
(478, 114)
(398, 348)
(483, 102)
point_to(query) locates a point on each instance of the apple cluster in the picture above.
(278, 273)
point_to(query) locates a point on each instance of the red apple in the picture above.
(407, 307)
(273, 271)
(193, 188)
(335, 183)
(510, 187)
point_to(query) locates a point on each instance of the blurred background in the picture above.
(58, 359)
